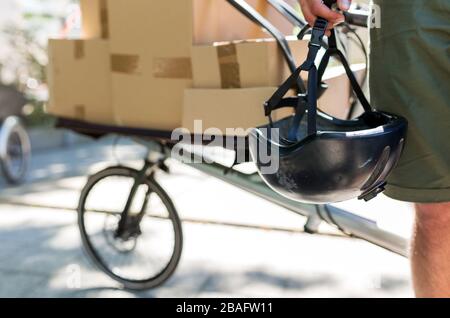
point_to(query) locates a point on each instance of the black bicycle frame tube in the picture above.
(349, 223)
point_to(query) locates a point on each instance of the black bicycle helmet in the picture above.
(323, 159)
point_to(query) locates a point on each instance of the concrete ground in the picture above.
(41, 253)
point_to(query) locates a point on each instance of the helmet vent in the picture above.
(379, 168)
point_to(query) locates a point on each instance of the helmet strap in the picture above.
(318, 32)
(309, 101)
(334, 51)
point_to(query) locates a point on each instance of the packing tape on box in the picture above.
(80, 112)
(104, 20)
(176, 68)
(79, 51)
(229, 66)
(123, 63)
(170, 68)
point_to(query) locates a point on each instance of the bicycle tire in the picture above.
(13, 127)
(169, 270)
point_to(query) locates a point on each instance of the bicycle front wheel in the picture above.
(146, 252)
(15, 150)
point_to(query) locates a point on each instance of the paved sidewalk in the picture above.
(41, 254)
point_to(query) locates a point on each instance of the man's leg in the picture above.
(430, 253)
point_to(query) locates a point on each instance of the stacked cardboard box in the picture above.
(241, 108)
(150, 61)
(79, 81)
(232, 80)
(144, 65)
(213, 20)
(153, 88)
(159, 64)
(231, 111)
(243, 64)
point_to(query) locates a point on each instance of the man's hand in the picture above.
(315, 8)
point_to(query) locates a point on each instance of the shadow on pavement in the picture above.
(35, 257)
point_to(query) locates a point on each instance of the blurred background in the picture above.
(236, 244)
(26, 27)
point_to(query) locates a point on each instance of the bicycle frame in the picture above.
(148, 171)
(143, 174)
(347, 222)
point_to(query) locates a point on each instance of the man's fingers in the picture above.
(344, 5)
(311, 18)
(315, 8)
(321, 10)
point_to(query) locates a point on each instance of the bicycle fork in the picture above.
(128, 225)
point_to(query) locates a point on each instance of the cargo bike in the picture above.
(123, 236)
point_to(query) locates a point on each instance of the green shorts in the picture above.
(410, 76)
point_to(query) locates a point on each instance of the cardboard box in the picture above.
(228, 109)
(255, 63)
(79, 80)
(243, 108)
(151, 42)
(150, 61)
(94, 19)
(212, 20)
(141, 101)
